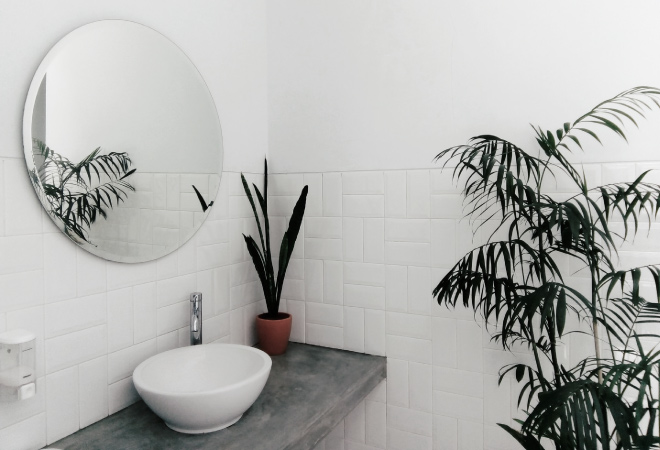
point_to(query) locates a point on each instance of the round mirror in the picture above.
(122, 141)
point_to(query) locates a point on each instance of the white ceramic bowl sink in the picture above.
(203, 388)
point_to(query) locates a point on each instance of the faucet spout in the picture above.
(195, 318)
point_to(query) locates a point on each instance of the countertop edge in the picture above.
(319, 429)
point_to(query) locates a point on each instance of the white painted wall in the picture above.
(363, 85)
(95, 320)
(360, 91)
(225, 40)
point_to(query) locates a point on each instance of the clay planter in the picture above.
(274, 333)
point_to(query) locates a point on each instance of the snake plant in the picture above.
(263, 257)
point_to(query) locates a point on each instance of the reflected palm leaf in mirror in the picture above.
(78, 193)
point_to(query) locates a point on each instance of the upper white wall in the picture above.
(225, 41)
(365, 85)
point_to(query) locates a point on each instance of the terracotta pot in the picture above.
(274, 333)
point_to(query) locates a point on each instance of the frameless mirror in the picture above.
(122, 141)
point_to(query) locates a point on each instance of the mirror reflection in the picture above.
(122, 141)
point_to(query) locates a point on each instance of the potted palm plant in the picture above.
(273, 327)
(609, 400)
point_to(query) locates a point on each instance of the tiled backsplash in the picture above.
(96, 320)
(375, 244)
(372, 247)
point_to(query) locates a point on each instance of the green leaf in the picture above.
(561, 312)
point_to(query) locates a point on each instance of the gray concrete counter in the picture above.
(310, 389)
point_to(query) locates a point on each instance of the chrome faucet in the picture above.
(195, 318)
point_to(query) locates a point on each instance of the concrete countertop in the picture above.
(309, 391)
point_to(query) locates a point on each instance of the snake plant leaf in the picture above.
(248, 193)
(291, 235)
(258, 261)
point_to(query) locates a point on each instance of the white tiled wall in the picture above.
(95, 320)
(372, 252)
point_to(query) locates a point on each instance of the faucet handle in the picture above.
(196, 297)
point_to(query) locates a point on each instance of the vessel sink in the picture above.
(202, 388)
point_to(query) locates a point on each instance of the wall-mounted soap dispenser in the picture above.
(17, 365)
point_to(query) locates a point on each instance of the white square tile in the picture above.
(297, 311)
(408, 230)
(355, 424)
(91, 273)
(403, 440)
(284, 184)
(322, 314)
(420, 377)
(419, 194)
(353, 329)
(458, 406)
(408, 253)
(62, 408)
(124, 275)
(22, 210)
(395, 194)
(445, 433)
(410, 349)
(175, 290)
(323, 227)
(397, 382)
(323, 249)
(353, 241)
(443, 243)
(89, 344)
(396, 286)
(374, 240)
(167, 341)
(74, 315)
(59, 267)
(332, 194)
(120, 319)
(93, 391)
(376, 424)
(236, 325)
(469, 355)
(364, 296)
(374, 332)
(447, 206)
(121, 364)
(618, 172)
(221, 289)
(469, 436)
(442, 182)
(497, 400)
(173, 317)
(459, 382)
(314, 207)
(333, 282)
(363, 183)
(313, 280)
(420, 297)
(121, 395)
(324, 336)
(365, 274)
(444, 342)
(144, 312)
(412, 421)
(30, 433)
(363, 206)
(410, 325)
(215, 328)
(21, 290)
